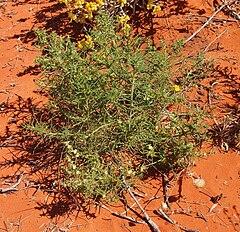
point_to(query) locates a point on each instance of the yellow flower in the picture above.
(72, 16)
(125, 28)
(150, 6)
(99, 2)
(80, 44)
(90, 16)
(156, 9)
(88, 37)
(86, 43)
(91, 6)
(123, 20)
(176, 88)
(101, 54)
(127, 18)
(63, 1)
(79, 4)
(122, 2)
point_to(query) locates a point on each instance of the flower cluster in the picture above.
(122, 2)
(123, 23)
(82, 10)
(86, 43)
(176, 88)
(151, 6)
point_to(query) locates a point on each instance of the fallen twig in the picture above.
(122, 216)
(151, 223)
(174, 222)
(138, 194)
(128, 218)
(14, 186)
(237, 16)
(200, 215)
(215, 18)
(207, 22)
(206, 48)
(165, 189)
(213, 207)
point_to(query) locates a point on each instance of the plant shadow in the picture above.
(39, 158)
(225, 132)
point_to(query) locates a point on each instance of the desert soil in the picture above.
(37, 205)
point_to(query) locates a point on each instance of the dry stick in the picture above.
(13, 187)
(122, 216)
(233, 12)
(174, 222)
(206, 48)
(215, 18)
(205, 24)
(128, 218)
(151, 223)
(165, 189)
(138, 194)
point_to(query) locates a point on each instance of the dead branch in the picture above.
(174, 222)
(207, 47)
(138, 194)
(128, 218)
(151, 223)
(165, 182)
(215, 18)
(122, 216)
(208, 21)
(14, 186)
(237, 16)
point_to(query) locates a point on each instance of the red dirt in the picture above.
(34, 209)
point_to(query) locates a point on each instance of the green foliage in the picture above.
(116, 109)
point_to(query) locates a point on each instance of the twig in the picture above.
(128, 218)
(148, 219)
(213, 207)
(155, 197)
(215, 19)
(165, 189)
(138, 194)
(206, 48)
(122, 216)
(233, 12)
(206, 23)
(174, 222)
(13, 187)
(200, 215)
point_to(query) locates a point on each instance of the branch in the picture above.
(206, 48)
(174, 222)
(122, 216)
(14, 186)
(207, 22)
(148, 219)
(165, 182)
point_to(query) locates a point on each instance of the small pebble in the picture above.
(199, 183)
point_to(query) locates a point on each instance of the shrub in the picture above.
(116, 109)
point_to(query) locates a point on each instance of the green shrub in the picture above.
(116, 109)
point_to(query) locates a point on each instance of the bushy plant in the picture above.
(116, 109)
